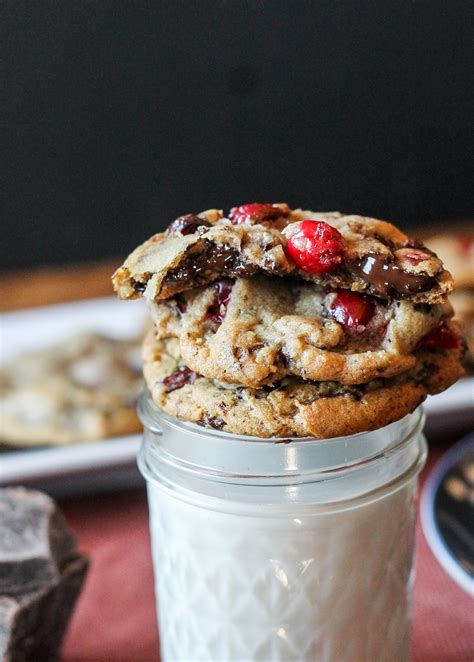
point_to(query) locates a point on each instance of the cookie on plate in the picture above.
(330, 249)
(457, 252)
(257, 331)
(293, 407)
(83, 389)
(463, 304)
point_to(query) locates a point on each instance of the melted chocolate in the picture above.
(202, 266)
(388, 277)
(139, 287)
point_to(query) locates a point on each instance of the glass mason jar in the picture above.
(282, 549)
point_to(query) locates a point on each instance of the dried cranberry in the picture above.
(315, 247)
(255, 212)
(415, 256)
(351, 310)
(188, 224)
(441, 337)
(178, 379)
(218, 310)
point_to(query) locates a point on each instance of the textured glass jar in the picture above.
(281, 549)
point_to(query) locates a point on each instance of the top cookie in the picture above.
(330, 249)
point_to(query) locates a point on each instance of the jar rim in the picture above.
(176, 453)
(222, 456)
(149, 412)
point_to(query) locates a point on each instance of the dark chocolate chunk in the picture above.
(188, 224)
(386, 278)
(139, 287)
(206, 262)
(41, 574)
(282, 358)
(181, 304)
(215, 422)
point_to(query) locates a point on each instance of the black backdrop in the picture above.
(122, 115)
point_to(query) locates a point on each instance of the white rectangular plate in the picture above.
(110, 463)
(100, 464)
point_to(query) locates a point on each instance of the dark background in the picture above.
(122, 115)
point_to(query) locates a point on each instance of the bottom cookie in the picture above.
(292, 407)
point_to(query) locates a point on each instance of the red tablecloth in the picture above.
(115, 617)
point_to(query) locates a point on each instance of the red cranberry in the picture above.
(441, 337)
(187, 224)
(218, 310)
(465, 243)
(351, 310)
(178, 379)
(255, 212)
(315, 247)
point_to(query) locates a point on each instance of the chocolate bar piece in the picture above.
(41, 574)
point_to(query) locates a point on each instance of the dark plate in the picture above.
(447, 512)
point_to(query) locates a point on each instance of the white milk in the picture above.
(301, 563)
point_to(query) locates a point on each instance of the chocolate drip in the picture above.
(388, 277)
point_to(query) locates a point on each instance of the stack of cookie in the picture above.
(278, 322)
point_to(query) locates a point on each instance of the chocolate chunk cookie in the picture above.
(257, 331)
(293, 407)
(81, 390)
(349, 252)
